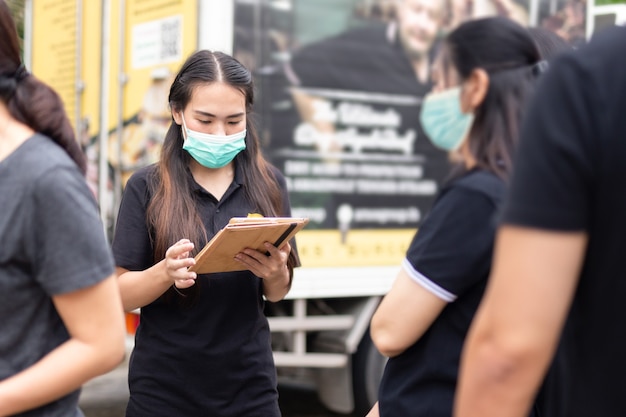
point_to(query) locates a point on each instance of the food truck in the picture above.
(355, 159)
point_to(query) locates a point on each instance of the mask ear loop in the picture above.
(184, 125)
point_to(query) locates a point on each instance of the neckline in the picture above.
(19, 149)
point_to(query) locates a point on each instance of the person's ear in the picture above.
(474, 90)
(176, 114)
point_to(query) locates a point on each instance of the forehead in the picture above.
(211, 97)
(437, 6)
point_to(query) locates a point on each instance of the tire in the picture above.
(367, 370)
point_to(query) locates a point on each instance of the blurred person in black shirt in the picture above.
(558, 277)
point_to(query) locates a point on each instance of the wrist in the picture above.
(278, 281)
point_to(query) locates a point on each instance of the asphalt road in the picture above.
(106, 396)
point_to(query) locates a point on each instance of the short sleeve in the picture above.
(451, 251)
(132, 247)
(552, 174)
(71, 248)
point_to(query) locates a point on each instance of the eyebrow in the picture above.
(203, 113)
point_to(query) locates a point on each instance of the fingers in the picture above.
(184, 283)
(177, 262)
(267, 266)
(179, 249)
(285, 249)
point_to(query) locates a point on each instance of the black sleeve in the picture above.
(452, 249)
(132, 247)
(71, 251)
(552, 174)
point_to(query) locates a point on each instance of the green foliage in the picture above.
(17, 10)
(604, 2)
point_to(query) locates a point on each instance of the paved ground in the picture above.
(106, 396)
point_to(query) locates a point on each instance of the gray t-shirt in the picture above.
(51, 242)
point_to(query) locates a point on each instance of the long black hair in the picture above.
(172, 210)
(506, 51)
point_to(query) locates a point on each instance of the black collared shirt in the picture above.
(570, 176)
(211, 356)
(450, 256)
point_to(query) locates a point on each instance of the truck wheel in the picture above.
(367, 369)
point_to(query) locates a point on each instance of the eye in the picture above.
(234, 122)
(204, 122)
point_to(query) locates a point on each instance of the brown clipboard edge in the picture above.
(286, 235)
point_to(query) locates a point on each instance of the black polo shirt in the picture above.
(210, 357)
(571, 176)
(450, 256)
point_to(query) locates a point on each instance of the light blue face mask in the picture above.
(213, 151)
(443, 121)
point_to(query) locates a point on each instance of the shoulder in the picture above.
(604, 62)
(139, 188)
(475, 196)
(479, 183)
(607, 42)
(278, 177)
(143, 178)
(41, 155)
(45, 166)
(594, 67)
(275, 172)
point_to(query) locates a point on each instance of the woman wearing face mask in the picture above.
(483, 78)
(203, 344)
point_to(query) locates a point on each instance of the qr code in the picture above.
(170, 39)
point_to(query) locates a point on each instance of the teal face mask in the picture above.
(443, 121)
(213, 151)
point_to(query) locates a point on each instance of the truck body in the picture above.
(112, 62)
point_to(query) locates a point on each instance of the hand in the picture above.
(272, 267)
(177, 261)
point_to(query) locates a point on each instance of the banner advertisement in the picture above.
(341, 85)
